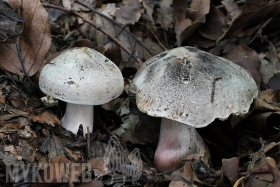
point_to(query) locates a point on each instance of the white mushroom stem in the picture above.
(75, 115)
(177, 140)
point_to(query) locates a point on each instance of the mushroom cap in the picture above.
(81, 76)
(193, 87)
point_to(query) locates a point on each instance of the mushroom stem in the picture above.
(75, 115)
(176, 141)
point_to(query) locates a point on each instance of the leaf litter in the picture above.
(244, 150)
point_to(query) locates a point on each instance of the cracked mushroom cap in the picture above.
(193, 87)
(81, 76)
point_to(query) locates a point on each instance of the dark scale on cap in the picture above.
(178, 71)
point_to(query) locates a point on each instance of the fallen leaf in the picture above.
(100, 166)
(2, 99)
(129, 13)
(163, 13)
(149, 7)
(268, 96)
(11, 23)
(261, 105)
(19, 103)
(74, 155)
(214, 24)
(46, 118)
(270, 65)
(184, 176)
(11, 149)
(186, 20)
(52, 146)
(246, 58)
(26, 152)
(70, 4)
(274, 82)
(26, 56)
(253, 15)
(274, 171)
(232, 9)
(57, 170)
(231, 169)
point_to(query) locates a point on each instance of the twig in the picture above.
(163, 47)
(95, 26)
(117, 24)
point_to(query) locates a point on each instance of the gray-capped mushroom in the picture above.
(82, 77)
(189, 88)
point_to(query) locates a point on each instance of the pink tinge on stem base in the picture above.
(176, 141)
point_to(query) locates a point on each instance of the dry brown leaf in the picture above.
(18, 112)
(100, 166)
(149, 7)
(163, 14)
(129, 13)
(57, 169)
(69, 4)
(74, 155)
(52, 146)
(232, 9)
(91, 33)
(214, 24)
(2, 99)
(246, 58)
(254, 15)
(274, 82)
(231, 169)
(12, 113)
(270, 65)
(19, 103)
(34, 42)
(187, 19)
(274, 170)
(11, 23)
(26, 152)
(268, 96)
(47, 118)
(11, 149)
(126, 40)
(183, 174)
(261, 105)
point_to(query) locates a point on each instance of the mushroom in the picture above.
(82, 77)
(189, 88)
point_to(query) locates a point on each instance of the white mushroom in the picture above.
(189, 88)
(82, 77)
